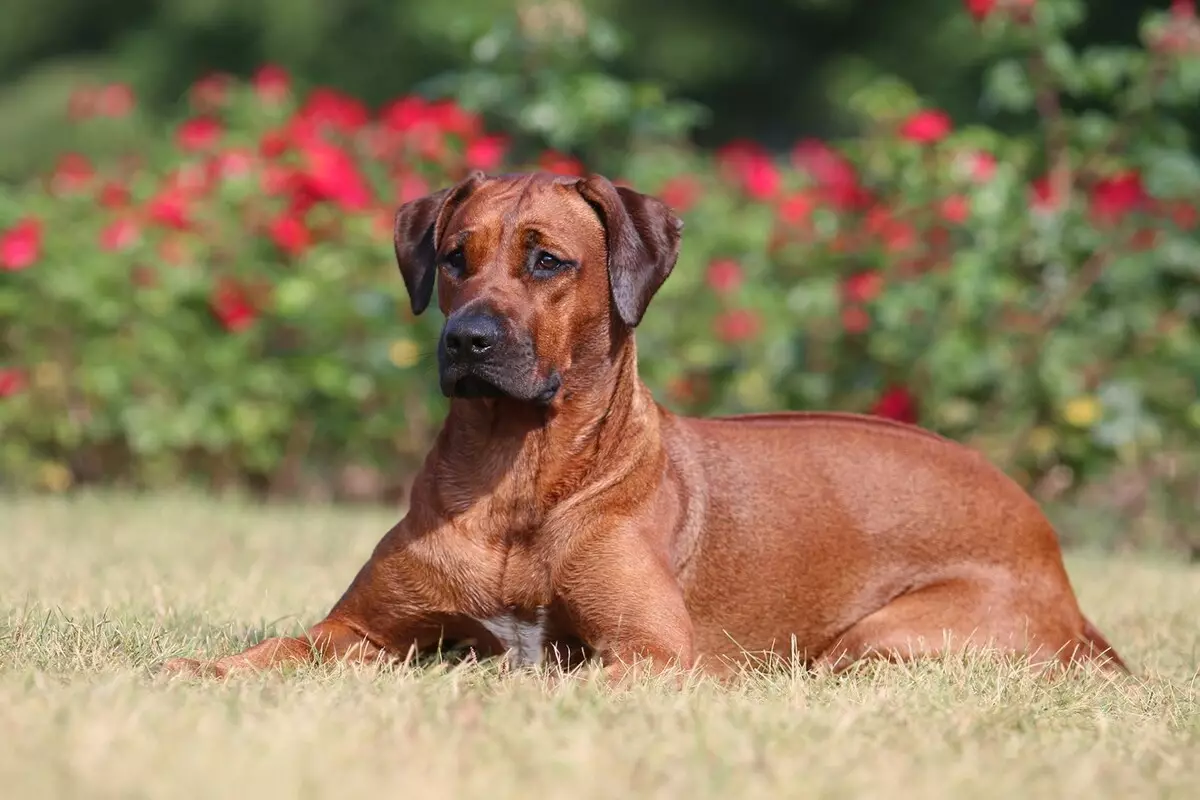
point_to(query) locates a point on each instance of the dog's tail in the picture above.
(1096, 648)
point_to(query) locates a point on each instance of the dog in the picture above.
(563, 515)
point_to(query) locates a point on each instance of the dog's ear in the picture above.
(643, 243)
(415, 234)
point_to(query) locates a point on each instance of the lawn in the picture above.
(95, 590)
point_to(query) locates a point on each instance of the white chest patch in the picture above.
(523, 639)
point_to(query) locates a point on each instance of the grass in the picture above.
(95, 590)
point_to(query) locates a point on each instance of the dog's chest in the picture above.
(522, 635)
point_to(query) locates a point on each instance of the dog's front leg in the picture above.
(329, 639)
(385, 613)
(627, 605)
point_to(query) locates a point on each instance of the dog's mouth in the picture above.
(473, 386)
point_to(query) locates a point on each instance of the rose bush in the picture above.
(224, 302)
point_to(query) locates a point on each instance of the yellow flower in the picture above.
(1082, 412)
(404, 352)
(54, 476)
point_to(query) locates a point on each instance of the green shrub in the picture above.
(224, 303)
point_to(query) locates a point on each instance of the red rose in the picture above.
(21, 245)
(834, 174)
(927, 127)
(797, 208)
(1115, 197)
(955, 209)
(680, 193)
(114, 100)
(724, 275)
(170, 209)
(12, 381)
(120, 234)
(290, 235)
(272, 84)
(737, 325)
(863, 287)
(330, 174)
(1183, 9)
(326, 108)
(982, 167)
(114, 195)
(1044, 197)
(200, 133)
(981, 9)
(486, 153)
(232, 307)
(559, 164)
(855, 319)
(72, 174)
(208, 93)
(896, 403)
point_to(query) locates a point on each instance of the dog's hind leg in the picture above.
(959, 614)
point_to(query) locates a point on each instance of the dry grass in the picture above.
(95, 590)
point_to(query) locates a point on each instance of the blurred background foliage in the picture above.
(770, 70)
(975, 215)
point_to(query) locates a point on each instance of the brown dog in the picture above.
(563, 511)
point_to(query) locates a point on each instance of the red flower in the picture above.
(724, 275)
(114, 100)
(114, 195)
(738, 325)
(955, 209)
(1044, 196)
(330, 174)
(272, 84)
(855, 320)
(1184, 215)
(680, 193)
(895, 235)
(982, 167)
(232, 307)
(749, 164)
(273, 144)
(290, 235)
(120, 234)
(21, 245)
(403, 115)
(231, 164)
(12, 381)
(981, 9)
(797, 208)
(326, 108)
(486, 152)
(170, 209)
(1183, 9)
(410, 187)
(200, 133)
(833, 173)
(927, 127)
(863, 287)
(448, 116)
(1115, 197)
(72, 174)
(896, 403)
(208, 93)
(560, 164)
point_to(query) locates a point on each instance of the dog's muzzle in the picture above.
(478, 358)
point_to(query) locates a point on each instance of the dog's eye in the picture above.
(546, 265)
(456, 260)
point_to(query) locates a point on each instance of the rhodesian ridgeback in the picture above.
(563, 514)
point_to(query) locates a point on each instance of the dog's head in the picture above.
(536, 274)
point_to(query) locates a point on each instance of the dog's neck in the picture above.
(519, 456)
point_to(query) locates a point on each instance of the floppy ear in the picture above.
(643, 243)
(415, 233)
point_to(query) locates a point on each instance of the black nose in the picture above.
(471, 337)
